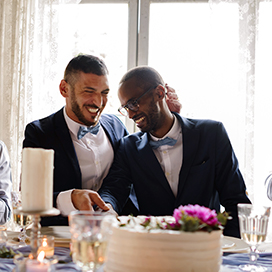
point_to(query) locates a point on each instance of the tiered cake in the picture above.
(137, 248)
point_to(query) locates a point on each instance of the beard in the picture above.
(152, 118)
(78, 112)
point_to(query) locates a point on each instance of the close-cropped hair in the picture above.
(86, 64)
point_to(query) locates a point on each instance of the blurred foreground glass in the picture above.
(253, 221)
(23, 221)
(3, 236)
(90, 233)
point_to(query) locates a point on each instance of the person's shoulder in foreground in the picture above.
(208, 173)
(5, 184)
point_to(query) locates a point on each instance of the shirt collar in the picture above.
(72, 125)
(172, 133)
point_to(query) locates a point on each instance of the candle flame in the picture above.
(41, 256)
(44, 243)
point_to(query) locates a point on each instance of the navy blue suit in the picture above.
(209, 173)
(52, 133)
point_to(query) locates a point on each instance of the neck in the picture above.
(167, 122)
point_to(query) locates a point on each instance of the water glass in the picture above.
(253, 221)
(90, 233)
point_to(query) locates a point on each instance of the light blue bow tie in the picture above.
(83, 130)
(165, 141)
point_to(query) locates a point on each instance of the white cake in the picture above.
(134, 248)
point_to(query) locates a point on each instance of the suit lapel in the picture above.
(190, 145)
(148, 158)
(64, 136)
(109, 132)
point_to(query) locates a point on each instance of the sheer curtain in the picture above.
(254, 63)
(29, 52)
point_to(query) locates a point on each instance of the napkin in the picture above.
(234, 260)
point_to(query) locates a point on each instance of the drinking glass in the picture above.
(90, 233)
(23, 221)
(253, 221)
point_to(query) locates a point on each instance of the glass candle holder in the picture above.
(46, 243)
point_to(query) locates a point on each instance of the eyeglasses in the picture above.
(134, 104)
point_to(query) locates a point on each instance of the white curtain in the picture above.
(254, 61)
(29, 51)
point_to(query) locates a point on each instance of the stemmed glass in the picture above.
(253, 221)
(23, 221)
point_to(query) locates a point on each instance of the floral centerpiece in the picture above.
(191, 218)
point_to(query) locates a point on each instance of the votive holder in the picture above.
(46, 243)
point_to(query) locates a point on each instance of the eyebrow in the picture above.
(94, 89)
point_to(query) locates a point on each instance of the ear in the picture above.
(64, 88)
(161, 92)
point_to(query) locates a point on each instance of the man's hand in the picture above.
(83, 200)
(172, 100)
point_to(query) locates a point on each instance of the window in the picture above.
(197, 46)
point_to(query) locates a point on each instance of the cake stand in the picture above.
(35, 229)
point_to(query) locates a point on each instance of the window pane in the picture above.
(90, 29)
(196, 51)
(263, 95)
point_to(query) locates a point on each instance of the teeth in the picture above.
(139, 120)
(92, 110)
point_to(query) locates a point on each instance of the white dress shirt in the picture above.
(170, 157)
(95, 156)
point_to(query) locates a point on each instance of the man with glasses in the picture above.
(173, 160)
(84, 139)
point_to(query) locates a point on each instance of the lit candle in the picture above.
(39, 265)
(46, 244)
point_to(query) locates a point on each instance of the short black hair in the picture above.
(145, 76)
(86, 64)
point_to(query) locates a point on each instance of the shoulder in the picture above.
(111, 120)
(201, 124)
(134, 137)
(47, 123)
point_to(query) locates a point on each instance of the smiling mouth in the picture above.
(93, 110)
(139, 120)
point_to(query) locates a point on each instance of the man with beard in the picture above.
(81, 159)
(173, 160)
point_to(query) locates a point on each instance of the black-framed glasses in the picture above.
(133, 105)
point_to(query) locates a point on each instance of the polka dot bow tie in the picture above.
(83, 130)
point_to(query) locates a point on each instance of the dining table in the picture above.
(234, 252)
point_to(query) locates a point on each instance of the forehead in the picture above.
(129, 90)
(92, 80)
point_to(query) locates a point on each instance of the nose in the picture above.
(98, 100)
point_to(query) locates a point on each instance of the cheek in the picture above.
(104, 100)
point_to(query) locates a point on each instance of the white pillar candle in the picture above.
(37, 179)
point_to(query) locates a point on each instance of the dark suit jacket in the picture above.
(209, 169)
(52, 133)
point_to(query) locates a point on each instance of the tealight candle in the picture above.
(39, 265)
(46, 244)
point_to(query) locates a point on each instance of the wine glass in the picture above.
(22, 221)
(253, 221)
(90, 233)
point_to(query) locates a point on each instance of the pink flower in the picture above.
(205, 215)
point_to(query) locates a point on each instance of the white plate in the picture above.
(235, 245)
